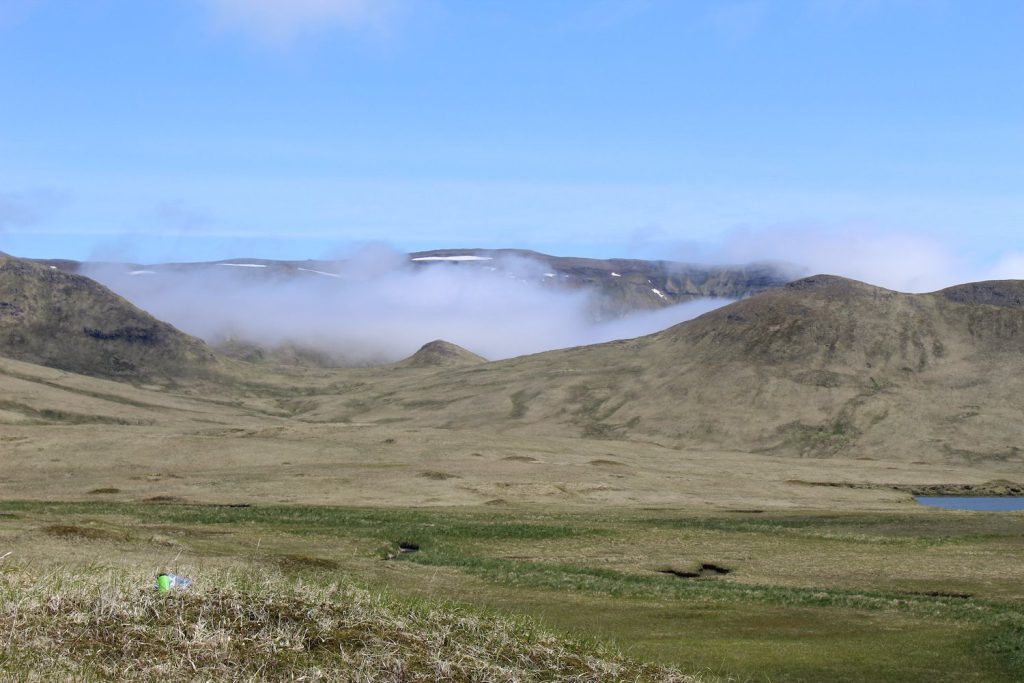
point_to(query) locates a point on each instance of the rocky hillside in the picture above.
(54, 318)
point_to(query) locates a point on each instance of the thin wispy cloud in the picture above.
(178, 216)
(14, 211)
(904, 261)
(28, 208)
(280, 23)
(1009, 267)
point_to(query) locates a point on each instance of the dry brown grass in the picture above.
(106, 624)
(379, 436)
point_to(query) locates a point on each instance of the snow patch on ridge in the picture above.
(319, 272)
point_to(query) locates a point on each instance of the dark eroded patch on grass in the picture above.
(1003, 623)
(88, 533)
(520, 458)
(604, 462)
(703, 570)
(437, 476)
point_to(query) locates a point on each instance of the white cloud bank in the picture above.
(904, 261)
(380, 308)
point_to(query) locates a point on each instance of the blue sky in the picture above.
(820, 130)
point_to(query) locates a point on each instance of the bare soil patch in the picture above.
(74, 531)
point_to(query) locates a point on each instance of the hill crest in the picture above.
(1005, 293)
(70, 322)
(827, 366)
(441, 353)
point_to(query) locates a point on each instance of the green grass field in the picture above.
(926, 595)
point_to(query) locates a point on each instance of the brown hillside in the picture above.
(1008, 293)
(440, 353)
(70, 322)
(824, 366)
(826, 381)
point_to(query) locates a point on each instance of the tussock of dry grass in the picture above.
(107, 624)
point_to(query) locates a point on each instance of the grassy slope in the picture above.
(824, 367)
(847, 597)
(818, 369)
(722, 405)
(440, 353)
(66, 435)
(89, 623)
(70, 322)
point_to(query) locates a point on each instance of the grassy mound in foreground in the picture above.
(105, 623)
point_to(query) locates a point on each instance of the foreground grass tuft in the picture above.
(103, 623)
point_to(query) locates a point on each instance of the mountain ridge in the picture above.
(70, 322)
(822, 367)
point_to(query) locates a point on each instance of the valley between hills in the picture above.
(706, 497)
(823, 390)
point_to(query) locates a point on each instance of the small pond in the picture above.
(981, 503)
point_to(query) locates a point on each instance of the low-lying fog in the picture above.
(380, 308)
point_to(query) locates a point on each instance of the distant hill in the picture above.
(820, 367)
(66, 321)
(823, 366)
(440, 353)
(282, 354)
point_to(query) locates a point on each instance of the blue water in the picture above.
(982, 503)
